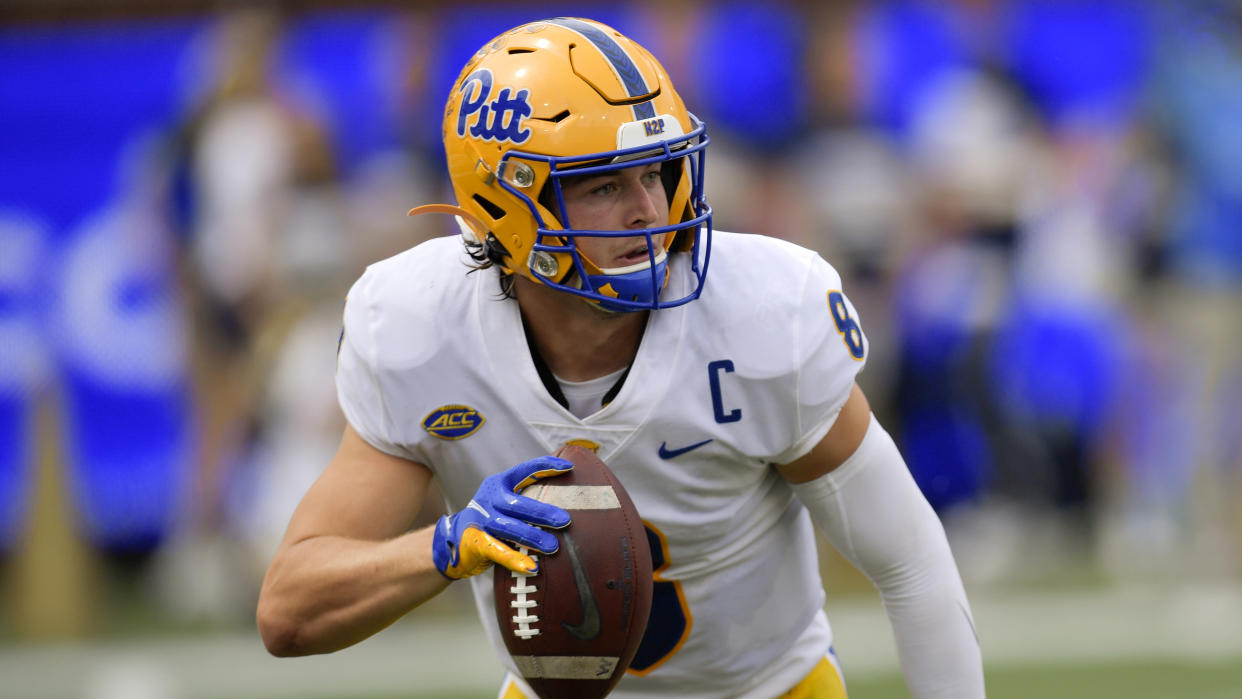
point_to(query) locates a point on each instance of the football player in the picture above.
(725, 404)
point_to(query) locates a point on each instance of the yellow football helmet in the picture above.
(565, 97)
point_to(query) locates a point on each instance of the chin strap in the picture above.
(631, 286)
(476, 227)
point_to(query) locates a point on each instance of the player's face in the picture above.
(629, 199)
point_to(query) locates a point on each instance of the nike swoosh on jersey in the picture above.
(666, 453)
(590, 626)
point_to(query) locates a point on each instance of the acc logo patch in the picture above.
(453, 421)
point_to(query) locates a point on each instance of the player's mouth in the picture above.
(634, 256)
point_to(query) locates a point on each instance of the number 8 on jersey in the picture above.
(851, 334)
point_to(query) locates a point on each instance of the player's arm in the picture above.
(347, 566)
(861, 496)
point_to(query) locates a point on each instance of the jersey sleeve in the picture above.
(831, 349)
(358, 388)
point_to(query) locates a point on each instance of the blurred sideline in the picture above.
(448, 654)
(1034, 206)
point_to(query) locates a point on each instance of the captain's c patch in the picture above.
(453, 421)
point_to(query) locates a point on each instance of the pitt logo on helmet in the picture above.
(453, 421)
(497, 120)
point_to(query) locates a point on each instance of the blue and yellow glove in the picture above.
(466, 543)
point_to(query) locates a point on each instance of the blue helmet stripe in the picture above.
(621, 62)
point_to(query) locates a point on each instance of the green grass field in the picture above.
(1136, 642)
(1120, 680)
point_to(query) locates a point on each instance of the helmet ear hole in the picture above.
(547, 199)
(494, 211)
(670, 175)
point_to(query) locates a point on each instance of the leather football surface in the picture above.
(573, 627)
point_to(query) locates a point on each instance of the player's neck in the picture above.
(578, 341)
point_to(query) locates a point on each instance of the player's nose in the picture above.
(641, 205)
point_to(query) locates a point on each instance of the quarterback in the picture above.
(577, 306)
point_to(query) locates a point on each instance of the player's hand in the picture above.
(467, 543)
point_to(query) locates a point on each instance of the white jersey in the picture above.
(434, 368)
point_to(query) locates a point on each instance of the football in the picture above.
(573, 627)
